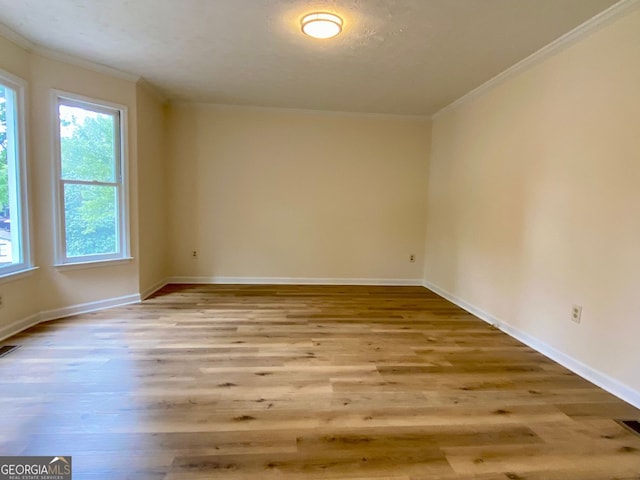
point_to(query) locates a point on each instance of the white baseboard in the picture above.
(596, 377)
(296, 281)
(153, 289)
(47, 315)
(88, 307)
(16, 327)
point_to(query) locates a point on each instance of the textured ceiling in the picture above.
(393, 56)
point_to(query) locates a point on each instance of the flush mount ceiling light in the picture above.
(321, 25)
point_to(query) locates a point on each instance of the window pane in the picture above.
(87, 144)
(10, 239)
(91, 220)
(91, 178)
(5, 214)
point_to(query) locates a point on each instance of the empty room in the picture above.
(294, 239)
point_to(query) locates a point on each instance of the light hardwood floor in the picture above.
(304, 382)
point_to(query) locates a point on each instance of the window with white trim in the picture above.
(14, 231)
(91, 190)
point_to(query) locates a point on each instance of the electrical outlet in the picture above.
(194, 254)
(412, 258)
(576, 313)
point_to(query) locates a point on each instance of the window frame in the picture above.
(19, 86)
(121, 183)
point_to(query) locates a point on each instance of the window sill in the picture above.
(10, 277)
(93, 264)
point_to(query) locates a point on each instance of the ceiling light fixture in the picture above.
(321, 25)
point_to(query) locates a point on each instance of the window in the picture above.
(14, 244)
(91, 193)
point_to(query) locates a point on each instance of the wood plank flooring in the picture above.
(304, 382)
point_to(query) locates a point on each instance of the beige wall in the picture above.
(64, 287)
(152, 191)
(282, 193)
(14, 59)
(51, 288)
(533, 201)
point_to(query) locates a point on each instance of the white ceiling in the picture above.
(393, 56)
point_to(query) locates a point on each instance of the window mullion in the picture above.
(88, 182)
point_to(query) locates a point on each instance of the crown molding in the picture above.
(260, 108)
(82, 63)
(16, 38)
(595, 23)
(152, 90)
(56, 55)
